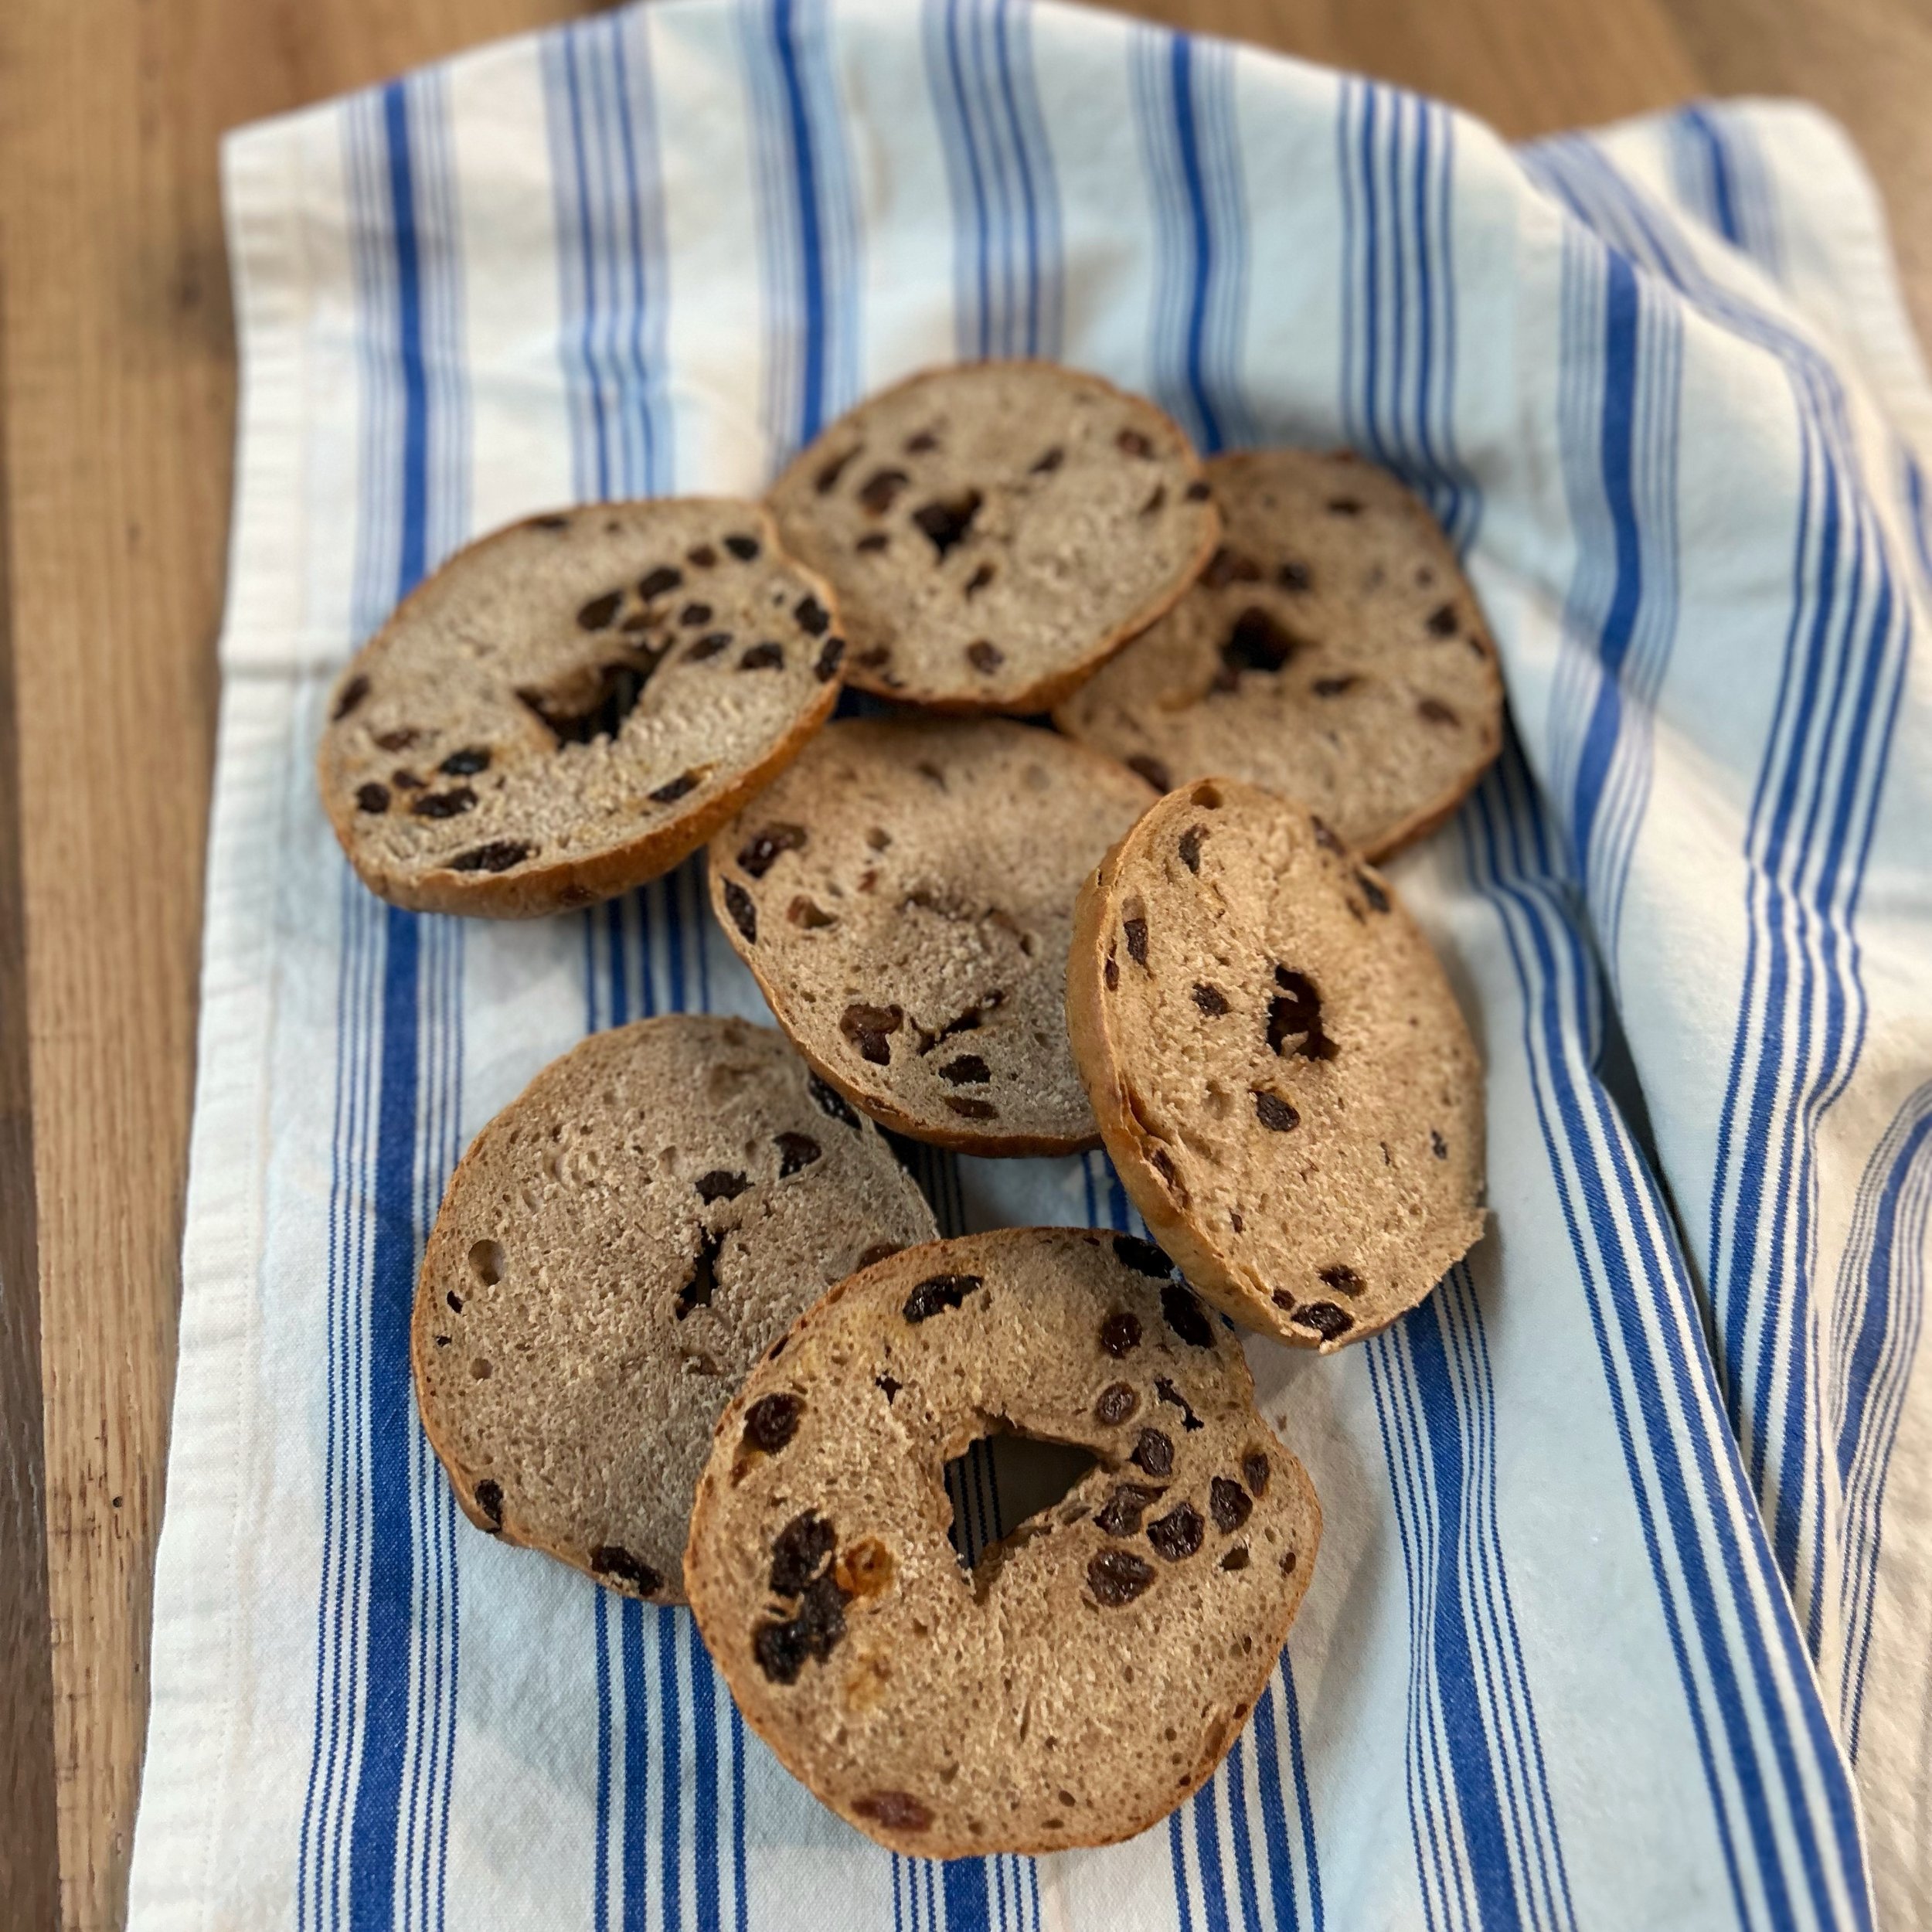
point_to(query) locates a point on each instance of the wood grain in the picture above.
(116, 419)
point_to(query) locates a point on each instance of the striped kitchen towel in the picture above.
(1621, 1619)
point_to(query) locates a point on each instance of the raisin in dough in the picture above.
(1279, 1068)
(618, 1247)
(1332, 652)
(567, 708)
(904, 894)
(1091, 1670)
(994, 531)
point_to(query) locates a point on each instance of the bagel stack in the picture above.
(684, 1322)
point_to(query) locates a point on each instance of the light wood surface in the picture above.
(116, 415)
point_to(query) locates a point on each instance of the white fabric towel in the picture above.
(1620, 1617)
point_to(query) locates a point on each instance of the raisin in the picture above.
(1120, 1515)
(1254, 1471)
(1185, 1316)
(708, 646)
(1438, 1145)
(702, 556)
(744, 915)
(832, 654)
(795, 1151)
(1197, 492)
(1178, 1533)
(444, 804)
(936, 1292)
(1442, 621)
(600, 613)
(1228, 566)
(371, 798)
(720, 1185)
(768, 656)
(1165, 1391)
(879, 491)
(1116, 1403)
(1136, 932)
(982, 576)
(1190, 847)
(968, 1070)
(1144, 1258)
(760, 852)
(489, 1499)
(969, 1109)
(1048, 463)
(1154, 1452)
(400, 739)
(896, 1811)
(455, 1302)
(1372, 892)
(827, 479)
(697, 1291)
(353, 693)
(1152, 770)
(1132, 443)
(772, 1421)
(1228, 1504)
(1325, 1319)
(873, 540)
(669, 793)
(600, 712)
(1211, 1000)
(613, 1559)
(984, 656)
(813, 617)
(947, 522)
(918, 444)
(1162, 1163)
(889, 1385)
(694, 614)
(1344, 506)
(1294, 576)
(1273, 1112)
(782, 1648)
(465, 763)
(831, 1101)
(1120, 1333)
(404, 781)
(1343, 1280)
(1256, 643)
(879, 1251)
(1297, 1012)
(867, 1028)
(1436, 712)
(1154, 502)
(810, 914)
(799, 1553)
(779, 1649)
(499, 856)
(1111, 973)
(743, 548)
(1334, 687)
(666, 576)
(1117, 1577)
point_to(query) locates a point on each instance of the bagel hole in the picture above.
(1004, 1488)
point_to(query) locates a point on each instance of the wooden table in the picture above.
(116, 416)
